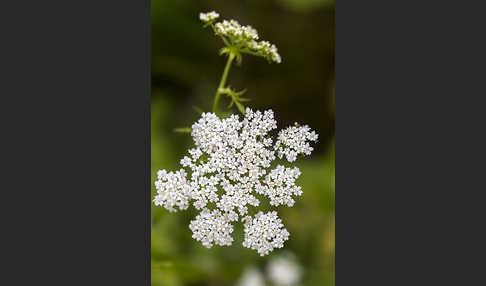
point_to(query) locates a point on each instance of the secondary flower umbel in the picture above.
(240, 39)
(229, 165)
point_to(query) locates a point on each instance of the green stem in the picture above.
(222, 82)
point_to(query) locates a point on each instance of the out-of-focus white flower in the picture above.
(283, 271)
(264, 232)
(208, 17)
(228, 166)
(251, 277)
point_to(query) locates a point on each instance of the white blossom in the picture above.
(294, 140)
(172, 190)
(264, 232)
(280, 186)
(245, 37)
(208, 17)
(284, 271)
(267, 50)
(212, 227)
(235, 31)
(229, 165)
(251, 276)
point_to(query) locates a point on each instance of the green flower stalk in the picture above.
(238, 40)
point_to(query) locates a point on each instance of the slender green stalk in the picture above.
(222, 82)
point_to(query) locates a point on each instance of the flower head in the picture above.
(212, 227)
(208, 17)
(266, 50)
(229, 166)
(283, 270)
(280, 186)
(241, 38)
(264, 232)
(294, 140)
(251, 276)
(172, 190)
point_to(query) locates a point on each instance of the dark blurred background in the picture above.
(186, 69)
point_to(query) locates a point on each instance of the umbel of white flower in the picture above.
(231, 162)
(245, 38)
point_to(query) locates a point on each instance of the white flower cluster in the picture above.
(280, 186)
(235, 31)
(208, 17)
(283, 270)
(176, 190)
(264, 232)
(293, 141)
(212, 226)
(244, 37)
(267, 50)
(228, 168)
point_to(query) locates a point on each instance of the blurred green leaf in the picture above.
(183, 130)
(240, 106)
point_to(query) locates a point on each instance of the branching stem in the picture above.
(223, 81)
